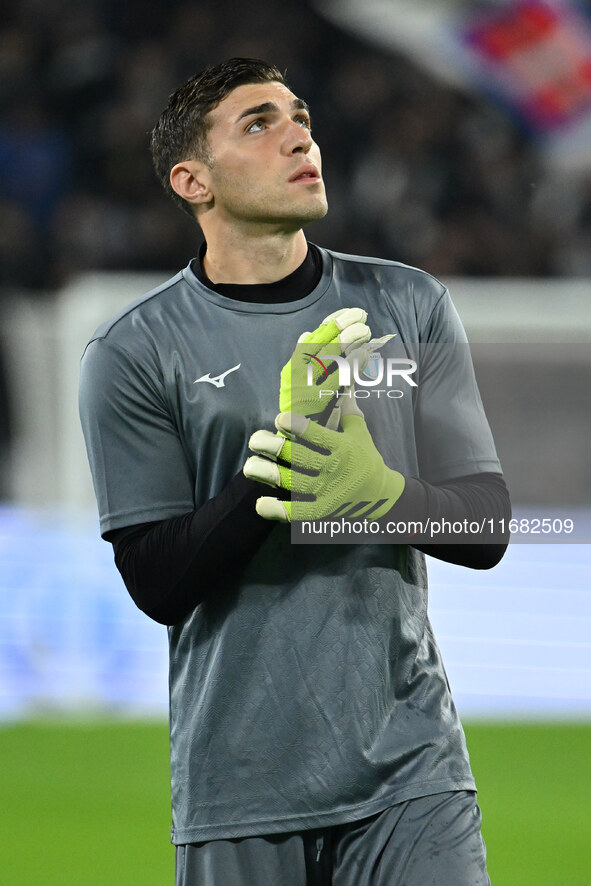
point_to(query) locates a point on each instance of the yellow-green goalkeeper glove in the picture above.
(308, 371)
(329, 473)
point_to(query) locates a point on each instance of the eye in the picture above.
(304, 121)
(256, 126)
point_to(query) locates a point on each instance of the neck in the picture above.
(251, 260)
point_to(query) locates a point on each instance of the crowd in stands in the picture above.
(415, 171)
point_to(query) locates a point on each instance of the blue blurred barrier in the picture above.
(516, 639)
(71, 638)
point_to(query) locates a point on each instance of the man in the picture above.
(313, 735)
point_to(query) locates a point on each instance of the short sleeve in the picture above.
(139, 469)
(453, 435)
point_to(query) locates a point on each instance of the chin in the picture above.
(316, 211)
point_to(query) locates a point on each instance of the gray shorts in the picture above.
(430, 841)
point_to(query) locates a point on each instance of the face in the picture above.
(266, 168)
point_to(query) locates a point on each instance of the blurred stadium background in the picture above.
(456, 136)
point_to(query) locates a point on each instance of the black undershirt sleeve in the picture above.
(169, 567)
(479, 500)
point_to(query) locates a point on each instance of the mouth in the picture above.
(308, 175)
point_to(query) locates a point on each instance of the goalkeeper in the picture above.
(313, 737)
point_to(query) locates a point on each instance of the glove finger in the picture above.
(360, 351)
(332, 423)
(356, 334)
(346, 316)
(266, 443)
(262, 469)
(273, 509)
(348, 404)
(378, 343)
(334, 325)
(298, 427)
(330, 339)
(324, 334)
(269, 447)
(265, 469)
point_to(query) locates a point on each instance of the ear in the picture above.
(190, 180)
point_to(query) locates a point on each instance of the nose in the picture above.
(298, 139)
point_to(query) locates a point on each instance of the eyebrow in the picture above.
(298, 104)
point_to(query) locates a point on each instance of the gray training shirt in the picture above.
(312, 693)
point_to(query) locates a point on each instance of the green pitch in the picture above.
(88, 803)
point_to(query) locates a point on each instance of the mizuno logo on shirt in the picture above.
(217, 380)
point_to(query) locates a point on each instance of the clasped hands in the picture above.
(330, 469)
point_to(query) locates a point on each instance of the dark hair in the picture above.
(182, 129)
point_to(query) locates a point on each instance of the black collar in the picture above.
(297, 285)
